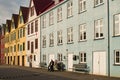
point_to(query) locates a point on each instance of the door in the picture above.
(70, 62)
(23, 60)
(99, 63)
(51, 57)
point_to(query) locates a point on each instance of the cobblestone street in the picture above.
(24, 73)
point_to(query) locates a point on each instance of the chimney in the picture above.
(56, 1)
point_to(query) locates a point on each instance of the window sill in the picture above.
(69, 16)
(82, 41)
(51, 24)
(116, 64)
(99, 38)
(59, 21)
(51, 46)
(59, 44)
(80, 12)
(98, 5)
(70, 42)
(116, 36)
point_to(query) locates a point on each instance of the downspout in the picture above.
(108, 13)
(40, 42)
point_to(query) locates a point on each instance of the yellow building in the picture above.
(7, 31)
(21, 38)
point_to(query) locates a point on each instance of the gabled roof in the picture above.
(8, 22)
(42, 5)
(15, 17)
(25, 11)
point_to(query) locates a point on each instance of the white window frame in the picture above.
(69, 35)
(117, 57)
(69, 9)
(51, 18)
(44, 41)
(83, 57)
(51, 37)
(59, 14)
(60, 38)
(60, 57)
(44, 21)
(82, 32)
(116, 25)
(98, 2)
(82, 6)
(99, 29)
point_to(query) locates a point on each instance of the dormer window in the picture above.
(21, 19)
(13, 25)
(32, 10)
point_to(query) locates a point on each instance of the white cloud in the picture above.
(9, 7)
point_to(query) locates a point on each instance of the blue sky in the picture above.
(9, 7)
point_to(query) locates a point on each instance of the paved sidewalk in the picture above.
(71, 75)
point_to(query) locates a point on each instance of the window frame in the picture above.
(51, 39)
(115, 61)
(69, 9)
(59, 37)
(70, 35)
(84, 30)
(51, 18)
(82, 6)
(98, 27)
(82, 59)
(59, 14)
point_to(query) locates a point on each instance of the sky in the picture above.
(9, 7)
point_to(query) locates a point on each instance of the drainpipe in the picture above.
(108, 13)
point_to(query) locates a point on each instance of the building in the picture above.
(34, 31)
(83, 32)
(7, 48)
(2, 30)
(21, 37)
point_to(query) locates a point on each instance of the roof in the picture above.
(15, 17)
(8, 22)
(42, 5)
(25, 11)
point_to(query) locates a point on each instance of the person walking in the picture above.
(51, 65)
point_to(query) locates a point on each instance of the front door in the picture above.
(23, 60)
(70, 62)
(99, 63)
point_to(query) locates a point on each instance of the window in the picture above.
(23, 46)
(23, 32)
(44, 58)
(82, 32)
(98, 2)
(14, 48)
(32, 28)
(51, 37)
(83, 57)
(36, 26)
(44, 41)
(18, 34)
(20, 47)
(21, 19)
(117, 56)
(32, 47)
(32, 10)
(117, 24)
(69, 9)
(82, 5)
(60, 37)
(36, 43)
(60, 57)
(51, 18)
(98, 28)
(44, 21)
(28, 29)
(28, 45)
(34, 57)
(70, 35)
(59, 14)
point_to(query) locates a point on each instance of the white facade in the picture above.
(33, 38)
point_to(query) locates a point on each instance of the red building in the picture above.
(2, 31)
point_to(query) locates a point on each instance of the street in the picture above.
(8, 72)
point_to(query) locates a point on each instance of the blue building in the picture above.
(83, 32)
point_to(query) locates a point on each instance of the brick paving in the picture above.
(26, 73)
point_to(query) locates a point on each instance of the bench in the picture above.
(81, 67)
